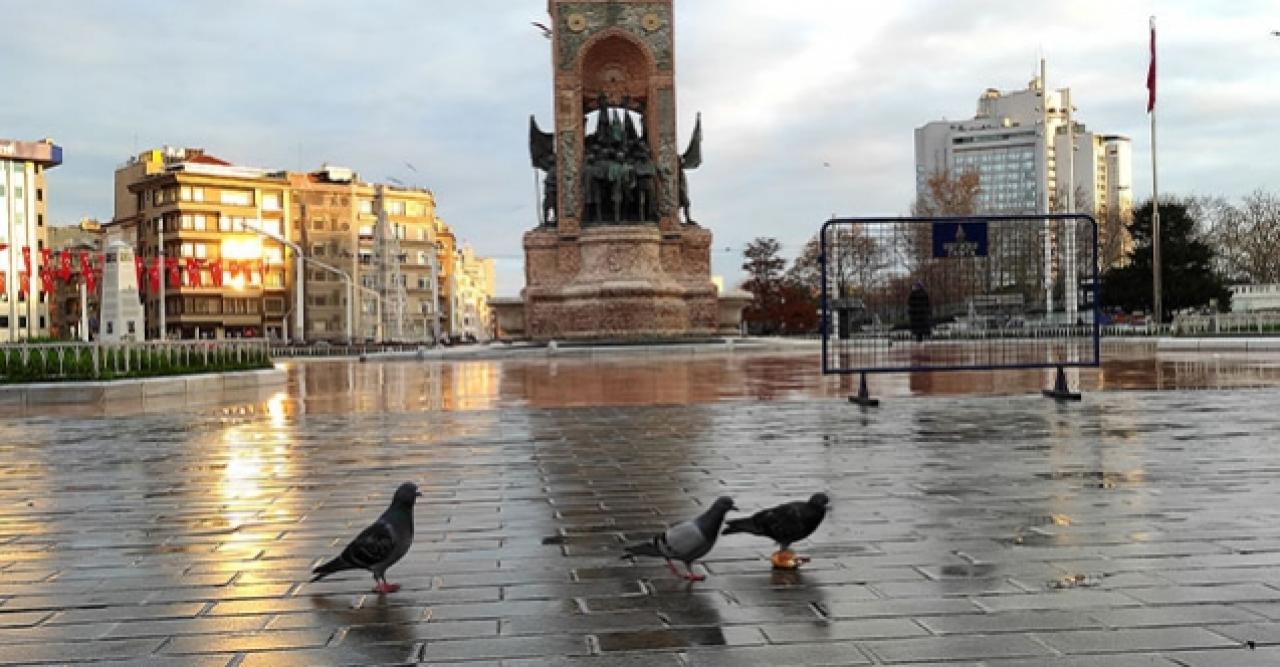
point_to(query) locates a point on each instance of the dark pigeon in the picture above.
(785, 524)
(380, 545)
(686, 541)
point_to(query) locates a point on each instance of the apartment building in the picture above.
(388, 241)
(67, 302)
(474, 283)
(205, 232)
(24, 198)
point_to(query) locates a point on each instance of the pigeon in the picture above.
(379, 546)
(686, 541)
(784, 524)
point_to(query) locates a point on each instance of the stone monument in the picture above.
(613, 257)
(121, 307)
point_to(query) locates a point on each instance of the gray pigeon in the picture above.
(686, 541)
(379, 546)
(784, 524)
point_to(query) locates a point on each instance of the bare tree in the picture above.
(1247, 236)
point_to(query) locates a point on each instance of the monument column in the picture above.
(613, 259)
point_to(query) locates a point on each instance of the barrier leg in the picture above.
(1060, 391)
(864, 398)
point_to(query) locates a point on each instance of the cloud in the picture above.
(783, 87)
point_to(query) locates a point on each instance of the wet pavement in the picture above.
(974, 522)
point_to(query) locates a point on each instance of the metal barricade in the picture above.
(921, 294)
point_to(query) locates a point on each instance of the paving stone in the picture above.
(1120, 641)
(1197, 614)
(505, 647)
(1235, 657)
(956, 648)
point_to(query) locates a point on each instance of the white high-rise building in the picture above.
(1019, 152)
(24, 304)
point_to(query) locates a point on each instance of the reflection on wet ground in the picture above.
(1136, 527)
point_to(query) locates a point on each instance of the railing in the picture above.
(341, 350)
(1228, 324)
(52, 362)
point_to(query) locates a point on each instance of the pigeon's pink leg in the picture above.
(671, 566)
(691, 576)
(384, 587)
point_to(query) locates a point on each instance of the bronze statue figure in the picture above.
(692, 159)
(542, 153)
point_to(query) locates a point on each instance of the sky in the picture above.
(808, 106)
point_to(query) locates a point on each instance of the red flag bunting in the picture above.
(175, 273)
(64, 266)
(46, 279)
(1151, 71)
(193, 271)
(215, 272)
(154, 273)
(137, 267)
(4, 283)
(26, 259)
(24, 282)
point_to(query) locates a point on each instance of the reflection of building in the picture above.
(1005, 143)
(64, 310)
(209, 210)
(474, 286)
(24, 311)
(231, 281)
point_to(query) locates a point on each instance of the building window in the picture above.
(39, 194)
(318, 224)
(395, 208)
(237, 197)
(197, 194)
(17, 192)
(366, 207)
(131, 326)
(111, 327)
(39, 219)
(317, 250)
(271, 201)
(366, 230)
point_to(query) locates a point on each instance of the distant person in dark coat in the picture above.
(918, 312)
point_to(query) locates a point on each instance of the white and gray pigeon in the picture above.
(686, 541)
(379, 546)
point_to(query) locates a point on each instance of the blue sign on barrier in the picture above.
(960, 239)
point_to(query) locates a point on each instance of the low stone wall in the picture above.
(1219, 344)
(204, 387)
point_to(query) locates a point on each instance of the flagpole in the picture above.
(1156, 269)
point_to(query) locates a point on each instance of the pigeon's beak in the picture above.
(734, 508)
(417, 494)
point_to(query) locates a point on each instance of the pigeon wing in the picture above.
(685, 541)
(372, 546)
(790, 522)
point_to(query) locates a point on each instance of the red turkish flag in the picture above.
(64, 265)
(175, 274)
(1151, 71)
(4, 282)
(24, 282)
(193, 271)
(46, 279)
(86, 270)
(137, 267)
(154, 274)
(215, 272)
(26, 259)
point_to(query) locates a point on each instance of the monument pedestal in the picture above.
(619, 282)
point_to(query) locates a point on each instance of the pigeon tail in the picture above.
(744, 525)
(336, 565)
(647, 548)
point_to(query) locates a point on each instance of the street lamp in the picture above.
(346, 277)
(299, 335)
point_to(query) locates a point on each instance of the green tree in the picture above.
(1189, 278)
